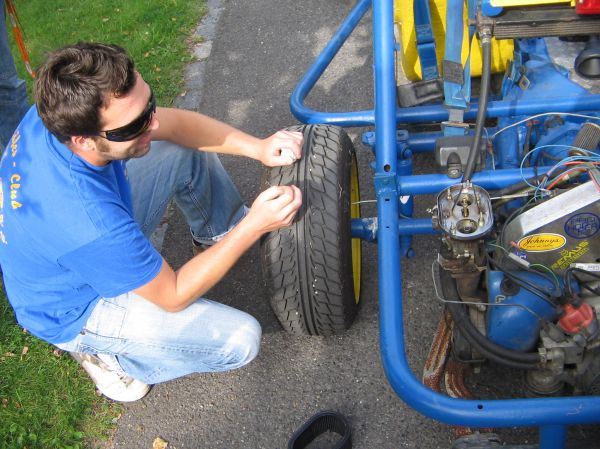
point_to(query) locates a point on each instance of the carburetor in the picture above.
(464, 215)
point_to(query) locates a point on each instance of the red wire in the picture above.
(557, 180)
(560, 178)
(581, 162)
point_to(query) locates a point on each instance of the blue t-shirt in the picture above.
(67, 233)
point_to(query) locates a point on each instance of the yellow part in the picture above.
(356, 244)
(502, 51)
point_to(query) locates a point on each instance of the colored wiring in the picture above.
(576, 164)
(570, 114)
(561, 178)
(510, 218)
(534, 267)
(549, 270)
(499, 247)
(573, 160)
(529, 286)
(545, 184)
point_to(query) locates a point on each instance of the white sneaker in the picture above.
(110, 382)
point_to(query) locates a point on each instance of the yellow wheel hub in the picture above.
(356, 243)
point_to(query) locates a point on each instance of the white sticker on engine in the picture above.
(587, 266)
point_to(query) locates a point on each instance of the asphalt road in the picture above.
(259, 49)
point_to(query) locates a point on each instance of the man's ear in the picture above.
(82, 144)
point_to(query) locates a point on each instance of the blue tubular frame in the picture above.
(417, 114)
(551, 415)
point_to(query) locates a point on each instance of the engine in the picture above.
(519, 267)
(529, 283)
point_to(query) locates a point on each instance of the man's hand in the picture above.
(282, 148)
(193, 130)
(274, 208)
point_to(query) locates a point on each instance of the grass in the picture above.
(154, 32)
(46, 400)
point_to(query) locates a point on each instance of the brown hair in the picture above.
(76, 81)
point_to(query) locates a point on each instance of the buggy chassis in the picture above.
(393, 178)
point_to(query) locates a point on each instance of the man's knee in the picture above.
(244, 343)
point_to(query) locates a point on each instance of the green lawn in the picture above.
(155, 32)
(46, 400)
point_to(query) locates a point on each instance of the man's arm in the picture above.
(195, 130)
(174, 291)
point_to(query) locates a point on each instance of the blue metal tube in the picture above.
(411, 226)
(423, 142)
(552, 414)
(404, 168)
(366, 228)
(553, 437)
(488, 179)
(555, 412)
(308, 81)
(385, 88)
(418, 114)
(434, 113)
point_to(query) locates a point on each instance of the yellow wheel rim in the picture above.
(355, 213)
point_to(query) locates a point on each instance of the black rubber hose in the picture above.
(484, 346)
(521, 185)
(497, 353)
(486, 46)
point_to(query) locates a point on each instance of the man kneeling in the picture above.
(86, 178)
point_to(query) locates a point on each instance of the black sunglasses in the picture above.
(135, 128)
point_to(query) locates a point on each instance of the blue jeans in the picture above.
(142, 339)
(13, 92)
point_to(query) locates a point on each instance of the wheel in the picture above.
(312, 268)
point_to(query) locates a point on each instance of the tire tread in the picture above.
(310, 284)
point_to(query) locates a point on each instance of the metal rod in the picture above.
(553, 437)
(551, 414)
(366, 228)
(423, 142)
(437, 113)
(312, 75)
(488, 179)
(417, 114)
(484, 413)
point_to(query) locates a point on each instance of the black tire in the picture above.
(308, 266)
